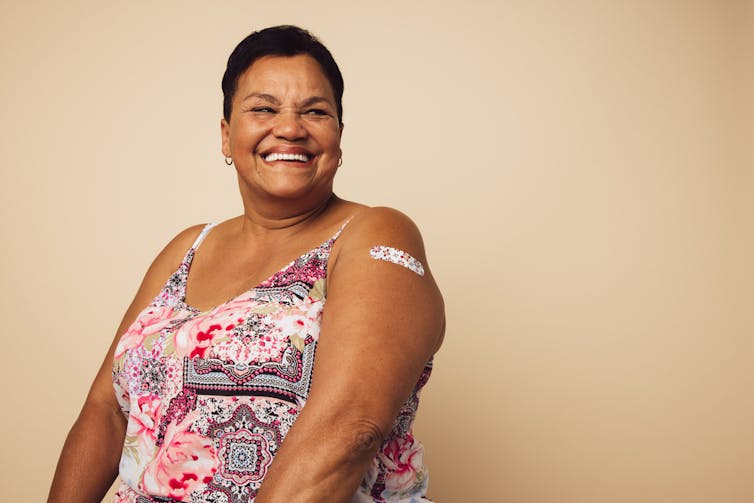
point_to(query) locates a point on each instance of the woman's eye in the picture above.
(266, 110)
(316, 111)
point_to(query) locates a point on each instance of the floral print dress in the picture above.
(210, 395)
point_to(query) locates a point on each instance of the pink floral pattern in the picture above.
(402, 459)
(148, 323)
(185, 461)
(142, 418)
(303, 316)
(201, 332)
(209, 396)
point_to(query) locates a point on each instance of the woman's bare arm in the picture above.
(89, 460)
(381, 324)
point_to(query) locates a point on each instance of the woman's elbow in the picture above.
(363, 437)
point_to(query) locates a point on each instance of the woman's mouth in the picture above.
(279, 156)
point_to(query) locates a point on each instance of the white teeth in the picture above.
(275, 156)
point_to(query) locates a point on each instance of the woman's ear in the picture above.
(225, 137)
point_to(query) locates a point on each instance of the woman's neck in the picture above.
(262, 221)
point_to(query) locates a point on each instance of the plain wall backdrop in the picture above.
(582, 173)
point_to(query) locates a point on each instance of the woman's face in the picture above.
(283, 134)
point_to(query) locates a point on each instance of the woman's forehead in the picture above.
(277, 76)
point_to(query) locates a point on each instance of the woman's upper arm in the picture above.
(89, 460)
(381, 324)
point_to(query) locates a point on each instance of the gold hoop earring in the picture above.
(228, 161)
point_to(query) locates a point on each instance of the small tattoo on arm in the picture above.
(396, 256)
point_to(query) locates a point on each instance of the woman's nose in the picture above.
(288, 125)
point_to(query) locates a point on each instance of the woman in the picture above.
(217, 367)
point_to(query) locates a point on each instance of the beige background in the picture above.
(582, 173)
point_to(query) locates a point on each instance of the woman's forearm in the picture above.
(88, 463)
(321, 461)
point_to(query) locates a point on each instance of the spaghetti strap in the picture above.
(337, 234)
(202, 235)
(174, 291)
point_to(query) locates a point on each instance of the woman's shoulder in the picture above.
(180, 244)
(167, 261)
(376, 215)
(372, 229)
(171, 256)
(382, 223)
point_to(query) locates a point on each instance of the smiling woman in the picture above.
(211, 390)
(283, 133)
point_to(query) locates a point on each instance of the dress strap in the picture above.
(189, 257)
(202, 235)
(337, 234)
(174, 291)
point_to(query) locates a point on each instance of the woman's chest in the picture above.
(261, 343)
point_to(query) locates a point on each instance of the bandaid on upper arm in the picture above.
(397, 256)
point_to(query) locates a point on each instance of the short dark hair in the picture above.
(285, 40)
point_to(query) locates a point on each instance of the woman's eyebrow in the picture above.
(313, 100)
(263, 96)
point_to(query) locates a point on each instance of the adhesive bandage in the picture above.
(396, 256)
